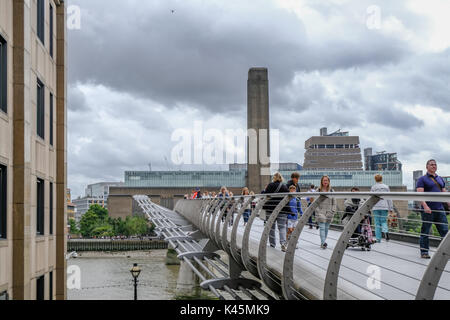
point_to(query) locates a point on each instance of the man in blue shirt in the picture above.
(433, 212)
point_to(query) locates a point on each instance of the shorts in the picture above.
(291, 224)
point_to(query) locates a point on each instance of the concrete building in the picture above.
(101, 189)
(258, 122)
(83, 204)
(32, 149)
(381, 161)
(335, 151)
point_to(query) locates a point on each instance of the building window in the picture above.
(51, 209)
(41, 20)
(330, 146)
(50, 286)
(3, 200)
(51, 119)
(40, 288)
(51, 30)
(40, 101)
(3, 75)
(40, 207)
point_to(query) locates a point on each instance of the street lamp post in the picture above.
(135, 271)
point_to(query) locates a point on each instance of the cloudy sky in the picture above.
(141, 70)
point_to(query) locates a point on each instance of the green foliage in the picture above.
(73, 227)
(96, 223)
(414, 224)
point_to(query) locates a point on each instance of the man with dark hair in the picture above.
(433, 212)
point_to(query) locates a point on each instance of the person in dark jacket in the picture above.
(277, 186)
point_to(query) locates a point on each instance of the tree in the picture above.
(95, 217)
(73, 227)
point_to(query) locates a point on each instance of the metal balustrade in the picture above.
(311, 273)
(200, 258)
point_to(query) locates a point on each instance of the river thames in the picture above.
(106, 276)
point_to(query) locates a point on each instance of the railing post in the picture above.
(433, 273)
(246, 237)
(262, 250)
(233, 245)
(287, 281)
(225, 245)
(331, 280)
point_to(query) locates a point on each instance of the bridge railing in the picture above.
(332, 274)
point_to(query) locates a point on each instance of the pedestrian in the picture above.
(432, 212)
(325, 211)
(309, 201)
(277, 186)
(247, 211)
(381, 210)
(223, 195)
(293, 215)
(295, 177)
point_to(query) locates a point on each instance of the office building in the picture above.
(33, 149)
(83, 204)
(335, 151)
(381, 161)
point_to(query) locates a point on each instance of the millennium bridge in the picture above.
(202, 232)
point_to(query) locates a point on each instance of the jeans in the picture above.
(281, 221)
(310, 222)
(324, 227)
(381, 225)
(247, 214)
(440, 220)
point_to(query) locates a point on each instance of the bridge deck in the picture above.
(401, 267)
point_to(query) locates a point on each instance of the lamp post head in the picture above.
(135, 271)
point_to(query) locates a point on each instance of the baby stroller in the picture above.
(363, 237)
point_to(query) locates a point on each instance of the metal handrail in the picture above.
(434, 269)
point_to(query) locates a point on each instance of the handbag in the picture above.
(445, 204)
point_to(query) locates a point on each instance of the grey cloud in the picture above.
(397, 119)
(201, 55)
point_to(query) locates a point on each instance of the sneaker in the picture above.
(325, 245)
(426, 256)
(387, 236)
(283, 247)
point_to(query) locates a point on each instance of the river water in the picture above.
(106, 276)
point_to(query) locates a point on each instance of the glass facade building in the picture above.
(348, 178)
(237, 179)
(185, 179)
